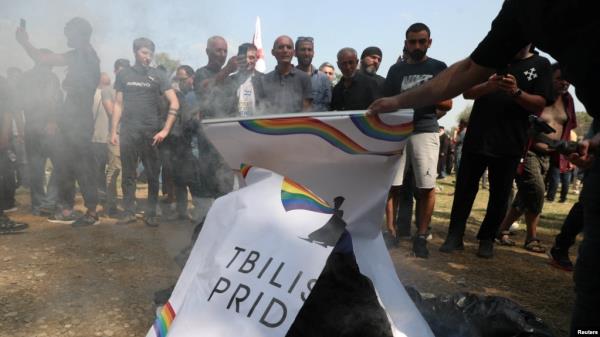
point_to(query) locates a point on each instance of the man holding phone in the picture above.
(496, 139)
(75, 120)
(244, 83)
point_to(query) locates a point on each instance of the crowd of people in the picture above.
(91, 131)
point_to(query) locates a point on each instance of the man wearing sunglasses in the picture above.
(321, 87)
(423, 145)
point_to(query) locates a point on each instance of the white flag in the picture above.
(257, 41)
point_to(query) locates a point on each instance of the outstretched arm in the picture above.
(52, 59)
(448, 84)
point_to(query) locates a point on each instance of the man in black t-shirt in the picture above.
(549, 25)
(75, 122)
(422, 148)
(138, 91)
(496, 140)
(355, 90)
(370, 60)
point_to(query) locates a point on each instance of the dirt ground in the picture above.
(100, 281)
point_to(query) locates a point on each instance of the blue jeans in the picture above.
(555, 178)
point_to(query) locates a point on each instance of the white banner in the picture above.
(331, 154)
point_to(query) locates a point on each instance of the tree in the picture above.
(584, 122)
(166, 61)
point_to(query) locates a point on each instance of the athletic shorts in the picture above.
(421, 153)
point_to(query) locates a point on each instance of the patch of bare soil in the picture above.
(99, 281)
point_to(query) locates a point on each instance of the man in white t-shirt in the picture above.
(243, 83)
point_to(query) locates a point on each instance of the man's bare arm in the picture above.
(448, 84)
(171, 117)
(116, 118)
(52, 59)
(306, 105)
(108, 105)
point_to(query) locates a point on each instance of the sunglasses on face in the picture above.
(304, 38)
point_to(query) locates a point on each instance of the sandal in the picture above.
(534, 245)
(504, 240)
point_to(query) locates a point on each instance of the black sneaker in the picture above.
(113, 212)
(451, 244)
(486, 249)
(127, 219)
(60, 217)
(8, 226)
(560, 259)
(151, 221)
(86, 220)
(420, 246)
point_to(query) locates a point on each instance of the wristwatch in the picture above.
(517, 93)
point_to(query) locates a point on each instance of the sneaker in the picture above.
(127, 219)
(420, 246)
(113, 212)
(451, 244)
(8, 226)
(151, 221)
(86, 220)
(11, 210)
(486, 249)
(61, 218)
(560, 259)
(562, 201)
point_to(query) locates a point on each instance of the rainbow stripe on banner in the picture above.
(311, 126)
(374, 127)
(295, 196)
(244, 168)
(164, 320)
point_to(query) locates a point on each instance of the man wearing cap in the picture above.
(370, 59)
(321, 87)
(355, 90)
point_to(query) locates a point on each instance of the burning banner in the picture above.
(305, 179)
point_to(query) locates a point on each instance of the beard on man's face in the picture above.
(417, 54)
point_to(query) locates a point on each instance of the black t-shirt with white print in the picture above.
(404, 76)
(142, 89)
(498, 124)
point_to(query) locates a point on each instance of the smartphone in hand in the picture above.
(23, 24)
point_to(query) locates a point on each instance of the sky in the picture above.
(181, 28)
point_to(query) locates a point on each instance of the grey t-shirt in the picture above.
(284, 93)
(142, 89)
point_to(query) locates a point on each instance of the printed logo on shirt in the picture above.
(412, 81)
(138, 84)
(530, 74)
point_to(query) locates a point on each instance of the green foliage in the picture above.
(584, 121)
(166, 61)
